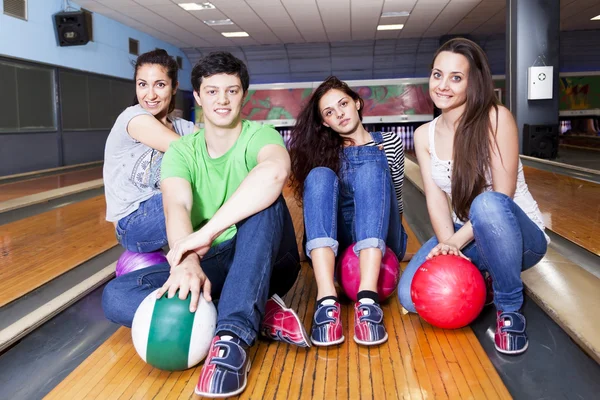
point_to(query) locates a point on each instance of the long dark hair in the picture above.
(312, 144)
(472, 140)
(162, 58)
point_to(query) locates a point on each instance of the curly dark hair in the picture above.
(314, 145)
(220, 62)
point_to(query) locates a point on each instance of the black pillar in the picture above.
(532, 37)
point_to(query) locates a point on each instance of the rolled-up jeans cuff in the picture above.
(369, 243)
(320, 243)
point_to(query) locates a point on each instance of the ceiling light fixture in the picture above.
(596, 18)
(196, 6)
(395, 14)
(235, 34)
(393, 27)
(215, 22)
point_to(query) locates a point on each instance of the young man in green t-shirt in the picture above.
(230, 232)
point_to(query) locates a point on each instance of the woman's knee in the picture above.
(319, 174)
(488, 204)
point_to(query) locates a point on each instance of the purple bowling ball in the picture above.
(130, 261)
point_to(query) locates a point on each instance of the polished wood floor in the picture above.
(570, 207)
(37, 249)
(417, 362)
(32, 186)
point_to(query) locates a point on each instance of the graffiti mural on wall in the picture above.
(380, 100)
(274, 103)
(579, 92)
(390, 100)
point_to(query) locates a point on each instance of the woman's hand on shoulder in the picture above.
(148, 130)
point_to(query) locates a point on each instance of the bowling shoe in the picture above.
(283, 324)
(225, 371)
(368, 324)
(327, 325)
(510, 337)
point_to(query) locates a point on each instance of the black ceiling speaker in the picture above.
(73, 28)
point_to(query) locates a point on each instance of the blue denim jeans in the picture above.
(144, 230)
(506, 242)
(358, 206)
(260, 260)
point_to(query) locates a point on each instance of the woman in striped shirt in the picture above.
(350, 184)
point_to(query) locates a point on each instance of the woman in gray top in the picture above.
(133, 154)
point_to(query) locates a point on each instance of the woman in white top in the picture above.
(470, 153)
(133, 154)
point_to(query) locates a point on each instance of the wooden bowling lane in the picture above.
(570, 207)
(28, 187)
(37, 249)
(417, 362)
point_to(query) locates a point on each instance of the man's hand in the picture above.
(199, 242)
(188, 277)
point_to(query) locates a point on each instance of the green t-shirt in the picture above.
(214, 180)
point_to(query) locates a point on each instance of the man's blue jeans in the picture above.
(262, 259)
(144, 230)
(506, 242)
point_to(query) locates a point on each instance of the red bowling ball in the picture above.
(348, 274)
(448, 291)
(130, 261)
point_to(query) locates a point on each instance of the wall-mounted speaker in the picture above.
(540, 140)
(73, 28)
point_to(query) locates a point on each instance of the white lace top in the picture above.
(441, 173)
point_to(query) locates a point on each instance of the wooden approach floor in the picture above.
(417, 362)
(570, 207)
(28, 187)
(37, 249)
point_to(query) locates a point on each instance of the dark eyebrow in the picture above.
(216, 87)
(453, 72)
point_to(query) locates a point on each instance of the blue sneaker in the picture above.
(368, 324)
(327, 325)
(225, 371)
(510, 337)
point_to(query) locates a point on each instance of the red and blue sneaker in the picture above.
(327, 325)
(283, 324)
(225, 371)
(368, 324)
(510, 335)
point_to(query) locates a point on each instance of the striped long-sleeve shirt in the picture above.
(394, 151)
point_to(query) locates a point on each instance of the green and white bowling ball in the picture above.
(168, 336)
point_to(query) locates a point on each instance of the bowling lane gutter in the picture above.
(49, 172)
(39, 208)
(25, 314)
(586, 174)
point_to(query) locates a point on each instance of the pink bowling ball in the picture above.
(130, 261)
(348, 274)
